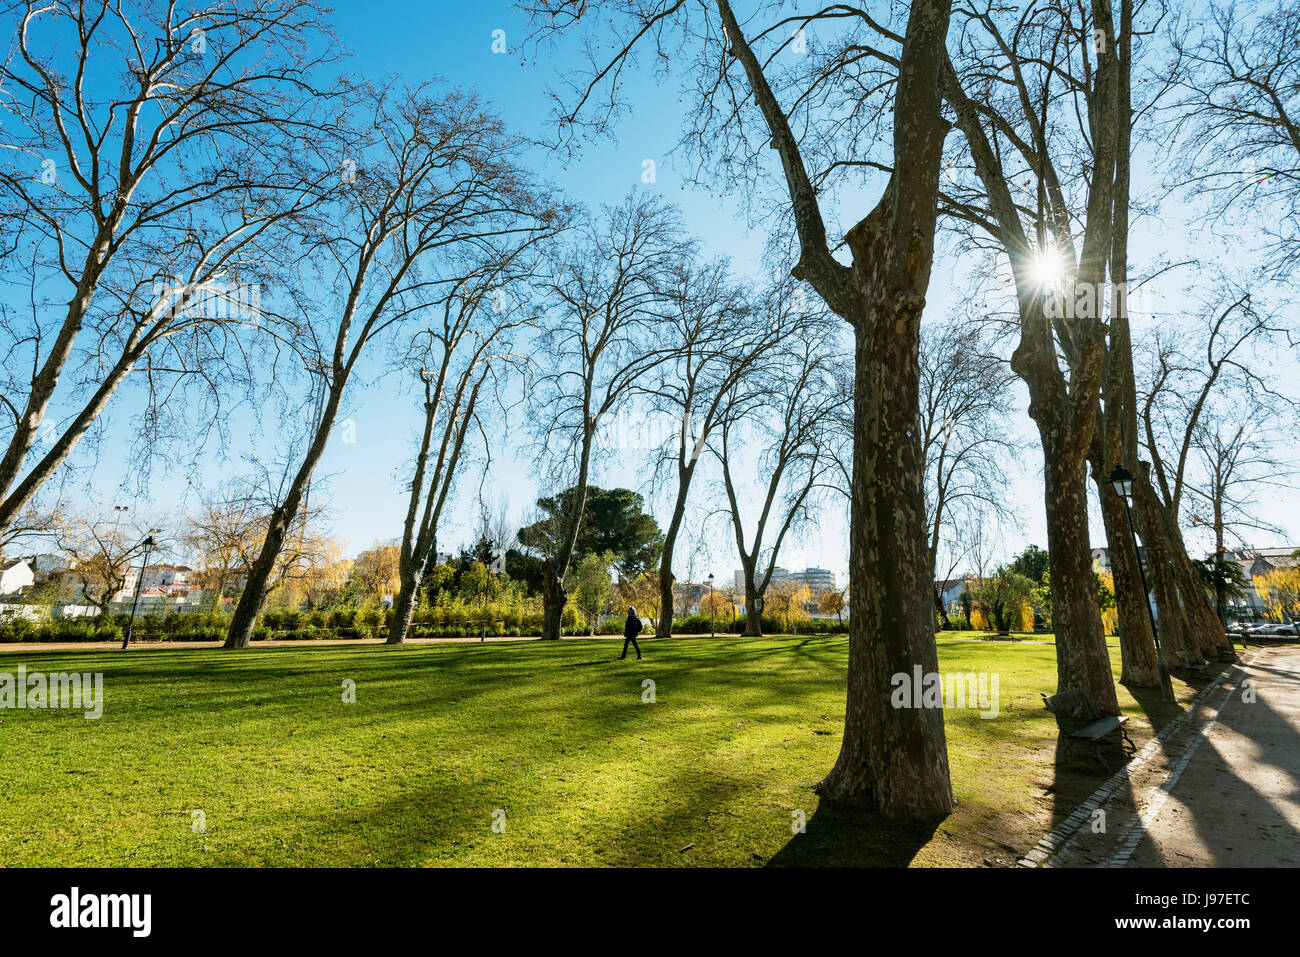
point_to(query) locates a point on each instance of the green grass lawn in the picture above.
(554, 734)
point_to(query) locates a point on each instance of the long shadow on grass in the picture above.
(847, 837)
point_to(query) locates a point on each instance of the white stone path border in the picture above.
(1082, 815)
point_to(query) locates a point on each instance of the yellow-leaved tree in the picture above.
(1280, 590)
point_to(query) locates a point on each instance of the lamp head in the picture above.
(1121, 480)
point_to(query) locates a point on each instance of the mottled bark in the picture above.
(1181, 595)
(1136, 642)
(1206, 628)
(893, 759)
(753, 608)
(1081, 655)
(1064, 406)
(1116, 442)
(1172, 622)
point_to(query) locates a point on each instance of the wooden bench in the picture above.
(1094, 729)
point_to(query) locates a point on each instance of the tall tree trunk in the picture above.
(894, 760)
(553, 599)
(1116, 442)
(1175, 630)
(250, 603)
(27, 426)
(1220, 586)
(244, 620)
(933, 560)
(753, 605)
(553, 594)
(1081, 655)
(664, 628)
(404, 605)
(48, 464)
(1206, 628)
(1137, 650)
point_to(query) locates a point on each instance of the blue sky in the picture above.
(419, 40)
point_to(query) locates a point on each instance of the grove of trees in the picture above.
(229, 225)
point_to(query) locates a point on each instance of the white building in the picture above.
(15, 575)
(170, 579)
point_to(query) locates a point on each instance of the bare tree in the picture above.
(1215, 430)
(1236, 115)
(101, 552)
(1036, 91)
(152, 205)
(784, 414)
(438, 179)
(33, 524)
(225, 536)
(606, 296)
(1238, 458)
(819, 119)
(716, 338)
(965, 440)
(472, 348)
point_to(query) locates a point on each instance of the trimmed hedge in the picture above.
(341, 623)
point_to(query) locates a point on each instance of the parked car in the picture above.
(1270, 629)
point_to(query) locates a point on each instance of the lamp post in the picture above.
(486, 581)
(139, 582)
(712, 626)
(119, 511)
(1121, 480)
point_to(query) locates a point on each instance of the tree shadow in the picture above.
(837, 836)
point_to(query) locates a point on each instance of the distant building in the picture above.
(779, 574)
(15, 575)
(1255, 563)
(950, 590)
(49, 563)
(688, 597)
(819, 580)
(168, 579)
(170, 584)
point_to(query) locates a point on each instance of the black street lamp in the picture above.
(139, 582)
(1121, 480)
(712, 627)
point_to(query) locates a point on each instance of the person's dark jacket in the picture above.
(632, 627)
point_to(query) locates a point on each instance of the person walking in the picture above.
(631, 628)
